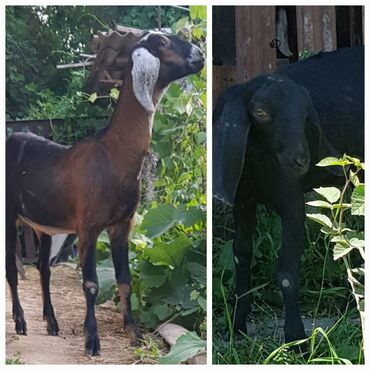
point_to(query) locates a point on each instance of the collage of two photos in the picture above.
(120, 155)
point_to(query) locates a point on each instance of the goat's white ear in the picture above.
(144, 73)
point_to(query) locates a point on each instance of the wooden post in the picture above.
(254, 31)
(356, 25)
(316, 29)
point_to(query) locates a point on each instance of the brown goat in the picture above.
(93, 185)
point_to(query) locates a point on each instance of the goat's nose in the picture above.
(196, 58)
(301, 161)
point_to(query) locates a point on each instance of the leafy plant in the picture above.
(346, 240)
(186, 347)
(323, 293)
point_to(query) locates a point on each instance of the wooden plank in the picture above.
(356, 25)
(75, 65)
(254, 31)
(223, 77)
(316, 28)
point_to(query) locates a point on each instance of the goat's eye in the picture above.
(163, 42)
(260, 113)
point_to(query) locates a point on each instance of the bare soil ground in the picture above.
(69, 305)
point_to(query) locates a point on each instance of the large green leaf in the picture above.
(188, 217)
(163, 311)
(187, 346)
(358, 200)
(169, 254)
(332, 161)
(198, 272)
(152, 276)
(320, 219)
(331, 194)
(159, 220)
(340, 250)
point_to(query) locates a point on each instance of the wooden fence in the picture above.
(255, 34)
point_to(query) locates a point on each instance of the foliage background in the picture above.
(168, 243)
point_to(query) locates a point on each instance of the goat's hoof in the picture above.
(92, 346)
(20, 326)
(52, 328)
(135, 336)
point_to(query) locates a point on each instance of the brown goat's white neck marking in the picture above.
(49, 230)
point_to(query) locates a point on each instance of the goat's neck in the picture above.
(128, 135)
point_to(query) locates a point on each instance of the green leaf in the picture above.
(134, 302)
(186, 347)
(158, 220)
(163, 311)
(107, 283)
(193, 10)
(93, 97)
(340, 250)
(153, 276)
(332, 161)
(202, 12)
(168, 254)
(198, 272)
(114, 93)
(358, 200)
(320, 204)
(197, 33)
(201, 137)
(331, 194)
(202, 303)
(357, 243)
(188, 217)
(320, 219)
(180, 24)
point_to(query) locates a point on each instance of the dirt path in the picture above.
(69, 305)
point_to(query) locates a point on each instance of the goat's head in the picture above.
(158, 59)
(273, 113)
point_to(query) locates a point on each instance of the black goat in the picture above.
(93, 185)
(268, 134)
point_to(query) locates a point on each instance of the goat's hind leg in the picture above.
(118, 235)
(87, 252)
(12, 274)
(245, 221)
(44, 268)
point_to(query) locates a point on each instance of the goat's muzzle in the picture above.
(196, 59)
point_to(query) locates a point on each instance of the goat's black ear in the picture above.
(230, 133)
(320, 146)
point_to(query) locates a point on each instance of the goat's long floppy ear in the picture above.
(230, 133)
(320, 146)
(144, 73)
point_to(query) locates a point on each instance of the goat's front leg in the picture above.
(12, 275)
(44, 268)
(293, 242)
(118, 235)
(245, 222)
(87, 252)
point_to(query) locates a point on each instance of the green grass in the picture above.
(324, 293)
(14, 361)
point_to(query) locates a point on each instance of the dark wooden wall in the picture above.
(243, 38)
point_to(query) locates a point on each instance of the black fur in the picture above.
(268, 134)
